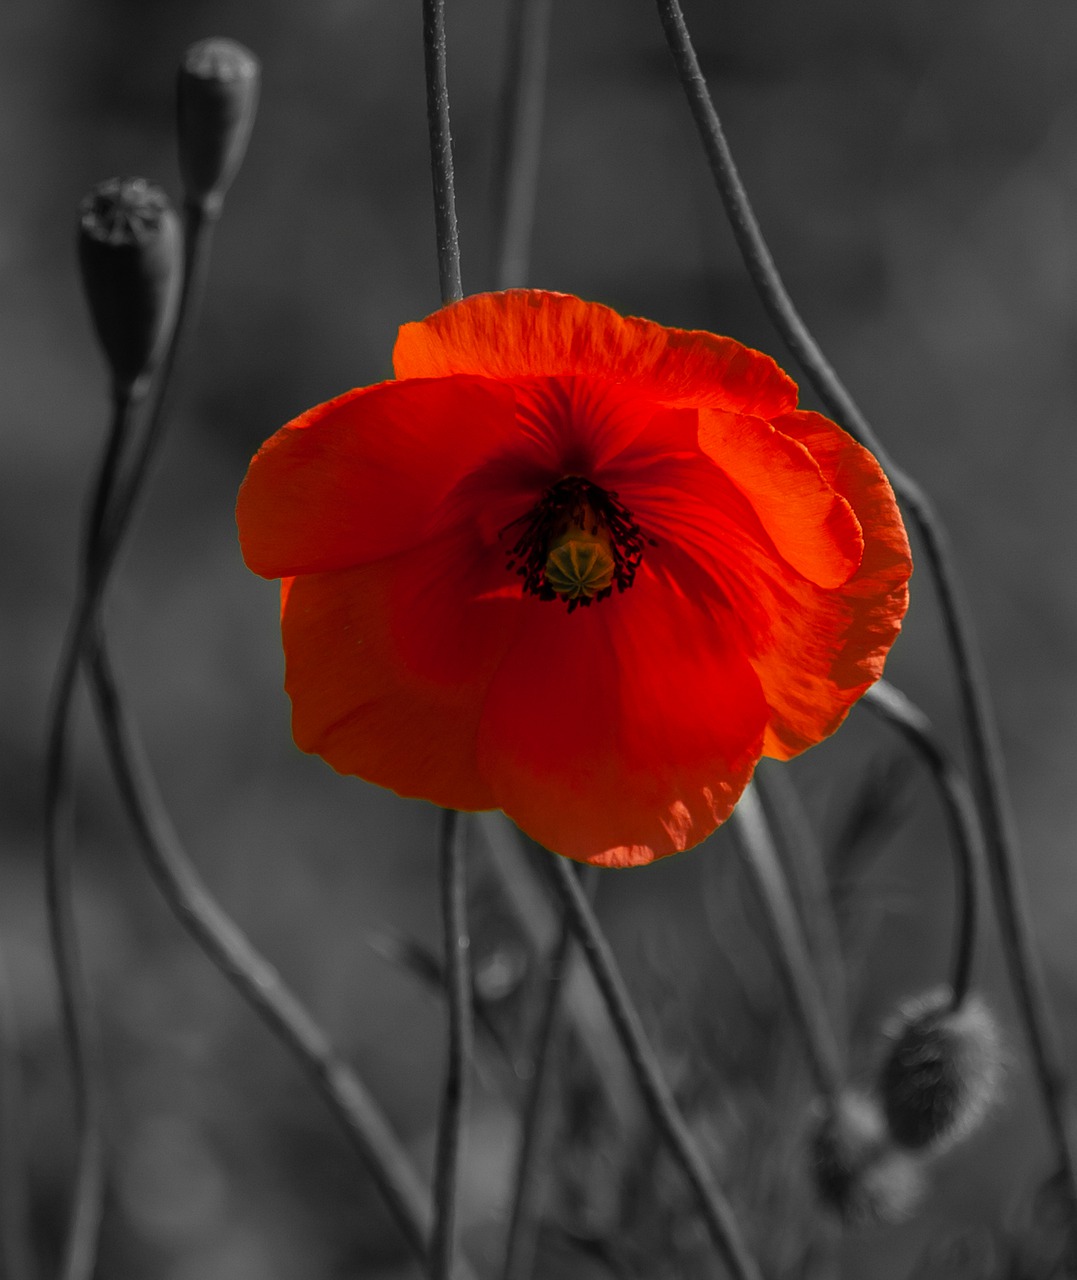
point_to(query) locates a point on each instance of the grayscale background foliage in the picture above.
(915, 169)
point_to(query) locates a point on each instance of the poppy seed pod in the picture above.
(131, 259)
(858, 1172)
(216, 98)
(942, 1070)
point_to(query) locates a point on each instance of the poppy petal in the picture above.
(388, 666)
(526, 333)
(812, 527)
(361, 477)
(831, 646)
(624, 732)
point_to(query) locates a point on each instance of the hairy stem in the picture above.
(961, 818)
(791, 952)
(80, 1032)
(804, 867)
(441, 168)
(459, 1050)
(522, 1236)
(256, 980)
(717, 1212)
(981, 734)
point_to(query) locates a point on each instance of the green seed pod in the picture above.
(216, 98)
(858, 1171)
(130, 253)
(942, 1070)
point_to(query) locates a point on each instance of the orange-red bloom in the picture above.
(575, 566)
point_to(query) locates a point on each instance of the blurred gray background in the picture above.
(915, 169)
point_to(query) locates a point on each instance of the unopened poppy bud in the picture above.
(216, 98)
(858, 1171)
(131, 259)
(942, 1070)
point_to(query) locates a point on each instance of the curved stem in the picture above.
(455, 1100)
(893, 706)
(717, 1212)
(522, 1234)
(441, 169)
(80, 1030)
(805, 870)
(985, 757)
(518, 138)
(791, 952)
(252, 976)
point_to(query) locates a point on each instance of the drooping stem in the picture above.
(459, 1050)
(791, 953)
(981, 734)
(252, 976)
(716, 1210)
(965, 838)
(441, 167)
(518, 138)
(522, 1233)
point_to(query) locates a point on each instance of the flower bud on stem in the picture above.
(129, 244)
(216, 98)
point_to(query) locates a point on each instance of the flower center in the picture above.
(576, 544)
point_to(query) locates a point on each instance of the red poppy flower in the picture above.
(581, 568)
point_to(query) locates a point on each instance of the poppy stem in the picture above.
(965, 836)
(80, 1031)
(458, 1058)
(717, 1211)
(441, 167)
(16, 1249)
(793, 958)
(518, 138)
(981, 733)
(522, 1234)
(805, 871)
(256, 980)
(114, 495)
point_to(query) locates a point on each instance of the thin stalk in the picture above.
(805, 870)
(981, 733)
(441, 169)
(80, 1031)
(717, 1212)
(16, 1248)
(518, 138)
(790, 950)
(116, 488)
(961, 818)
(458, 1058)
(522, 1237)
(256, 980)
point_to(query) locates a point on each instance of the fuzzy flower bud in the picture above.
(942, 1070)
(216, 98)
(858, 1171)
(130, 252)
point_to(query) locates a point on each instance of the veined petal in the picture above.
(527, 333)
(832, 646)
(362, 476)
(812, 527)
(623, 732)
(388, 666)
